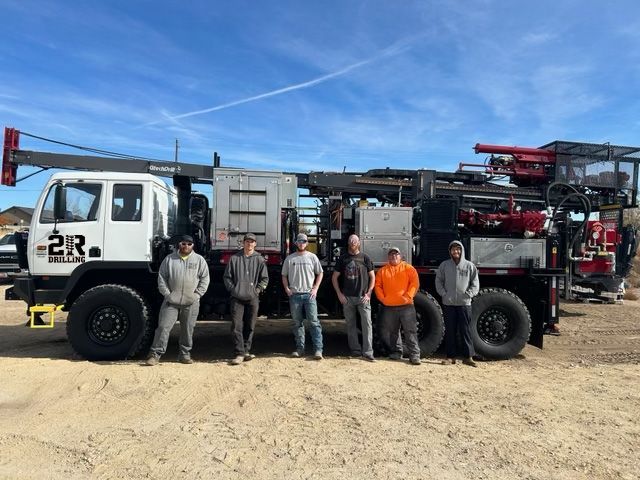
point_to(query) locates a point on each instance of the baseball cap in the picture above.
(249, 236)
(301, 237)
(184, 238)
(393, 249)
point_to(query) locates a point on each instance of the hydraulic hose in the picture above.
(587, 212)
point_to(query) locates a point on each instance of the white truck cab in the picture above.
(107, 217)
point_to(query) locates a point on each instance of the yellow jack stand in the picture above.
(49, 308)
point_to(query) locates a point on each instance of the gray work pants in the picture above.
(353, 305)
(169, 314)
(405, 316)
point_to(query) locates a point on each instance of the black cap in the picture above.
(184, 238)
(249, 236)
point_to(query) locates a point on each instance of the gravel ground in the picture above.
(569, 411)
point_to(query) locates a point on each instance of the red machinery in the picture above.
(525, 166)
(527, 223)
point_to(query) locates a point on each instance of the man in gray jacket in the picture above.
(245, 278)
(457, 283)
(183, 279)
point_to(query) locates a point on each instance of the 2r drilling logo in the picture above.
(66, 249)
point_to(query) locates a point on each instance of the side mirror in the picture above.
(60, 202)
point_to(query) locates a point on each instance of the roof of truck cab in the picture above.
(112, 176)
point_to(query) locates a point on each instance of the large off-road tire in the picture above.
(430, 323)
(109, 322)
(500, 324)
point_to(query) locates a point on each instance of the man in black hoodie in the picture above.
(245, 278)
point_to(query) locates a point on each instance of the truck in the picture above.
(101, 229)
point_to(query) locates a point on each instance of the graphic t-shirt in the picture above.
(354, 273)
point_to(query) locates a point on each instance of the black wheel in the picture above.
(109, 322)
(500, 324)
(430, 323)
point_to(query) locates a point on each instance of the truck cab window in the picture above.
(127, 203)
(83, 200)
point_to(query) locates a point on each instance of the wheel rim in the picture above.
(495, 326)
(108, 325)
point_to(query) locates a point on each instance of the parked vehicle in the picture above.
(8, 256)
(98, 236)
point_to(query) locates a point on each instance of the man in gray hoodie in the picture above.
(457, 283)
(183, 278)
(245, 278)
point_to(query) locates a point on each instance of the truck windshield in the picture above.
(83, 200)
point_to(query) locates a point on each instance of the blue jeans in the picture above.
(302, 305)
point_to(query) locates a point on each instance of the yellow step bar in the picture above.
(48, 308)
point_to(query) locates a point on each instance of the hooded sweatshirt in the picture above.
(457, 284)
(245, 277)
(396, 285)
(182, 281)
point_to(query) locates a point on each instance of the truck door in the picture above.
(127, 222)
(57, 248)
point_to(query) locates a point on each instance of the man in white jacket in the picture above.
(183, 279)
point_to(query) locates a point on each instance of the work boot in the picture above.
(415, 361)
(237, 360)
(469, 361)
(186, 359)
(317, 355)
(248, 357)
(297, 354)
(448, 361)
(153, 360)
(368, 358)
(395, 356)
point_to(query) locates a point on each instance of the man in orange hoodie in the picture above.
(396, 284)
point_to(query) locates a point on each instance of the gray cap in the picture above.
(301, 238)
(393, 249)
(184, 238)
(249, 236)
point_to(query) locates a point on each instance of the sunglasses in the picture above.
(301, 241)
(394, 253)
(186, 244)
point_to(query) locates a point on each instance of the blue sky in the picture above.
(298, 86)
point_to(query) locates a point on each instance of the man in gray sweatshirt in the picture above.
(457, 283)
(245, 278)
(183, 279)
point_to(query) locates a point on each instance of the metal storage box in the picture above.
(378, 247)
(393, 221)
(250, 201)
(508, 252)
(380, 228)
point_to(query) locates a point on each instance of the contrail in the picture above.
(391, 50)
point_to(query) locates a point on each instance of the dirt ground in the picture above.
(569, 411)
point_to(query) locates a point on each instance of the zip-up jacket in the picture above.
(396, 285)
(183, 281)
(457, 284)
(245, 277)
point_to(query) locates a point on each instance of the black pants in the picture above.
(243, 323)
(405, 315)
(457, 321)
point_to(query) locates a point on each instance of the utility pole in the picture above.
(176, 156)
